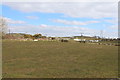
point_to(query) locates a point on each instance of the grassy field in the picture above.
(43, 59)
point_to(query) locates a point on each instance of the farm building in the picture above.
(80, 40)
(64, 39)
(85, 40)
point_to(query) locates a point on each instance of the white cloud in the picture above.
(32, 17)
(114, 27)
(11, 21)
(111, 31)
(43, 25)
(74, 22)
(59, 30)
(60, 0)
(75, 9)
(113, 21)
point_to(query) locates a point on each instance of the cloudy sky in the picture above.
(62, 18)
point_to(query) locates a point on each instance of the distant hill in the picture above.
(14, 36)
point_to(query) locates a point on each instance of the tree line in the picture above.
(4, 30)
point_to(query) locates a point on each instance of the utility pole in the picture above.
(101, 33)
(46, 35)
(9, 31)
(81, 34)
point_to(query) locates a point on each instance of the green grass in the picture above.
(45, 59)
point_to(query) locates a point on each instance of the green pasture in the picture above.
(53, 59)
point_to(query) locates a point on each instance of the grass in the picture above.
(43, 59)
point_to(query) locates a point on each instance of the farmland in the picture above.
(53, 59)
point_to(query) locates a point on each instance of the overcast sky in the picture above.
(62, 18)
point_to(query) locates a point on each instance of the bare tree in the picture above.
(3, 26)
